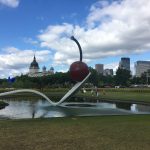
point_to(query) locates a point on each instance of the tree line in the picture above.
(122, 78)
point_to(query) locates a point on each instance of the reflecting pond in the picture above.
(18, 109)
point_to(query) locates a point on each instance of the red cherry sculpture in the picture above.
(78, 70)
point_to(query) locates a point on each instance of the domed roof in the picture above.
(44, 68)
(52, 69)
(34, 64)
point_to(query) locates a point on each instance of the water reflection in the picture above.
(41, 109)
(126, 106)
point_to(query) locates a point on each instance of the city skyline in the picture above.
(140, 67)
(44, 27)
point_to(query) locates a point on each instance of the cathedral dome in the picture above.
(34, 64)
(51, 69)
(44, 68)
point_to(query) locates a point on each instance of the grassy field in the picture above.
(126, 94)
(122, 96)
(145, 97)
(81, 133)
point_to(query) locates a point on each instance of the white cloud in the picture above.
(112, 29)
(113, 65)
(10, 3)
(16, 61)
(30, 41)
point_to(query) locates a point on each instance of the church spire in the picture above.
(34, 58)
(34, 64)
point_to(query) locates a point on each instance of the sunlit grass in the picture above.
(81, 133)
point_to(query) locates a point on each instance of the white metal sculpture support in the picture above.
(66, 96)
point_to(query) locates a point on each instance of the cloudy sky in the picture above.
(106, 29)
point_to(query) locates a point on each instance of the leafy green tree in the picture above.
(108, 80)
(122, 77)
(136, 80)
(94, 77)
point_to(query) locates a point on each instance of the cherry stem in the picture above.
(80, 50)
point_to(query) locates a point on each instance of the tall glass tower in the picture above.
(124, 63)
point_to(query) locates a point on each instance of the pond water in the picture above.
(19, 109)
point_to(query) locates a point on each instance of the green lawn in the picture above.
(131, 96)
(126, 94)
(81, 133)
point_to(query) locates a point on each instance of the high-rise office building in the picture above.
(141, 67)
(99, 68)
(124, 63)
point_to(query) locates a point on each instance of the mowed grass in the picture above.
(125, 94)
(80, 133)
(131, 96)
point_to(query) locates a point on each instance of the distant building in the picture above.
(34, 67)
(141, 67)
(34, 70)
(124, 63)
(99, 68)
(44, 69)
(108, 72)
